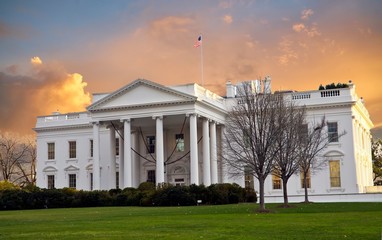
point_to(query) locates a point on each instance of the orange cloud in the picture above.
(298, 27)
(227, 19)
(46, 89)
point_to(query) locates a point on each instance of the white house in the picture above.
(145, 131)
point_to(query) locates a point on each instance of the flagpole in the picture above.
(201, 61)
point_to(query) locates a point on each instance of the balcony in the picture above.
(60, 120)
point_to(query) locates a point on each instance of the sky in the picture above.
(55, 54)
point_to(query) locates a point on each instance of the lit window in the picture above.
(276, 182)
(150, 141)
(72, 149)
(335, 173)
(72, 181)
(307, 179)
(179, 139)
(50, 181)
(51, 152)
(333, 131)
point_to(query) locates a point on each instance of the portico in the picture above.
(175, 139)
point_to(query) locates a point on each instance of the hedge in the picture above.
(145, 195)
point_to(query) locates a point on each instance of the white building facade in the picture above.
(149, 132)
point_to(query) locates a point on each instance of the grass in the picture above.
(241, 221)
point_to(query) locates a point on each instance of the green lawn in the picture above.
(303, 221)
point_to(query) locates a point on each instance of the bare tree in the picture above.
(250, 134)
(17, 159)
(312, 142)
(27, 166)
(291, 119)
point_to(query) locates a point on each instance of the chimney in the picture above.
(267, 85)
(230, 90)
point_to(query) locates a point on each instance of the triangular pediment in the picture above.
(141, 93)
(71, 168)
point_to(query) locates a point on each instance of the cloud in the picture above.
(311, 31)
(288, 52)
(44, 89)
(227, 19)
(298, 27)
(225, 4)
(170, 24)
(36, 61)
(306, 13)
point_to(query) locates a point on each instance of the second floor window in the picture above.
(117, 147)
(51, 152)
(333, 131)
(179, 139)
(91, 147)
(150, 141)
(72, 149)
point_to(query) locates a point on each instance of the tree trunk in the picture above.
(261, 189)
(285, 192)
(306, 188)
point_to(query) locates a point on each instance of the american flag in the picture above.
(198, 42)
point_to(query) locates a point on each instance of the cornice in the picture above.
(63, 127)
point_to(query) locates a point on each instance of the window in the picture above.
(335, 174)
(91, 147)
(51, 152)
(248, 179)
(304, 132)
(179, 181)
(276, 182)
(72, 149)
(179, 140)
(333, 131)
(117, 147)
(247, 137)
(72, 181)
(150, 141)
(307, 179)
(151, 176)
(50, 181)
(91, 181)
(117, 180)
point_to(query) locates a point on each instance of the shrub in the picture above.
(5, 185)
(146, 195)
(173, 196)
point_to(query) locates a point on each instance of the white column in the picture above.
(112, 174)
(223, 166)
(136, 165)
(127, 171)
(159, 150)
(96, 157)
(214, 154)
(194, 150)
(206, 153)
(121, 162)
